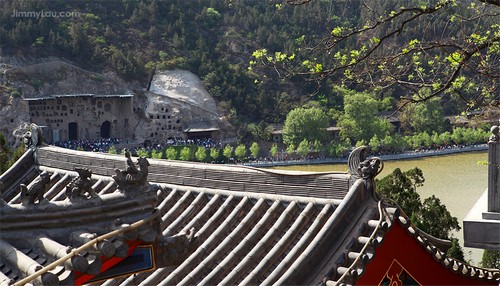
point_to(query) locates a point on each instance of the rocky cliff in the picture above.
(176, 101)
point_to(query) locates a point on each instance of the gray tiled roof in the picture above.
(250, 226)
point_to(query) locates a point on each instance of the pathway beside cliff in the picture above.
(390, 157)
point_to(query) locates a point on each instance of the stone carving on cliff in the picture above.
(135, 175)
(366, 168)
(35, 190)
(81, 187)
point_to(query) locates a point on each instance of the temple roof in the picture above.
(245, 225)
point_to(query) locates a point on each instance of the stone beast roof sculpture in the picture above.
(81, 186)
(134, 177)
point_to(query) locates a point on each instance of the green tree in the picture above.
(290, 149)
(142, 153)
(18, 153)
(305, 123)
(445, 138)
(318, 146)
(157, 154)
(240, 152)
(201, 154)
(458, 135)
(375, 143)
(426, 139)
(112, 150)
(274, 150)
(171, 153)
(455, 250)
(214, 153)
(228, 151)
(491, 259)
(303, 148)
(260, 131)
(211, 17)
(255, 149)
(5, 153)
(339, 149)
(402, 188)
(394, 142)
(361, 120)
(431, 216)
(424, 117)
(435, 219)
(79, 40)
(185, 154)
(436, 139)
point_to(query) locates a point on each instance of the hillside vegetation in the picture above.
(213, 39)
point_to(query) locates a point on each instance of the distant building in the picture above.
(277, 136)
(82, 116)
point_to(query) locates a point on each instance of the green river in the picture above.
(458, 180)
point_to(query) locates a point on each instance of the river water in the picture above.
(458, 180)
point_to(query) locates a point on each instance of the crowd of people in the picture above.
(103, 144)
(94, 145)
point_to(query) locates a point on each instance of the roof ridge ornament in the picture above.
(80, 186)
(33, 137)
(135, 176)
(360, 166)
(35, 190)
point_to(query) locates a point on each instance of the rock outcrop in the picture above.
(175, 103)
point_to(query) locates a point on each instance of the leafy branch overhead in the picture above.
(423, 51)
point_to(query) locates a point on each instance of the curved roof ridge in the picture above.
(235, 178)
(190, 164)
(295, 173)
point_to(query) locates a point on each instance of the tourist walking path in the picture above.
(389, 157)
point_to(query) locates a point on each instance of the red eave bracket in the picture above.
(107, 263)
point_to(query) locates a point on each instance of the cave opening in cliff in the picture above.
(106, 129)
(73, 131)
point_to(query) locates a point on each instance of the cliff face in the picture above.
(52, 76)
(14, 117)
(176, 102)
(183, 86)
